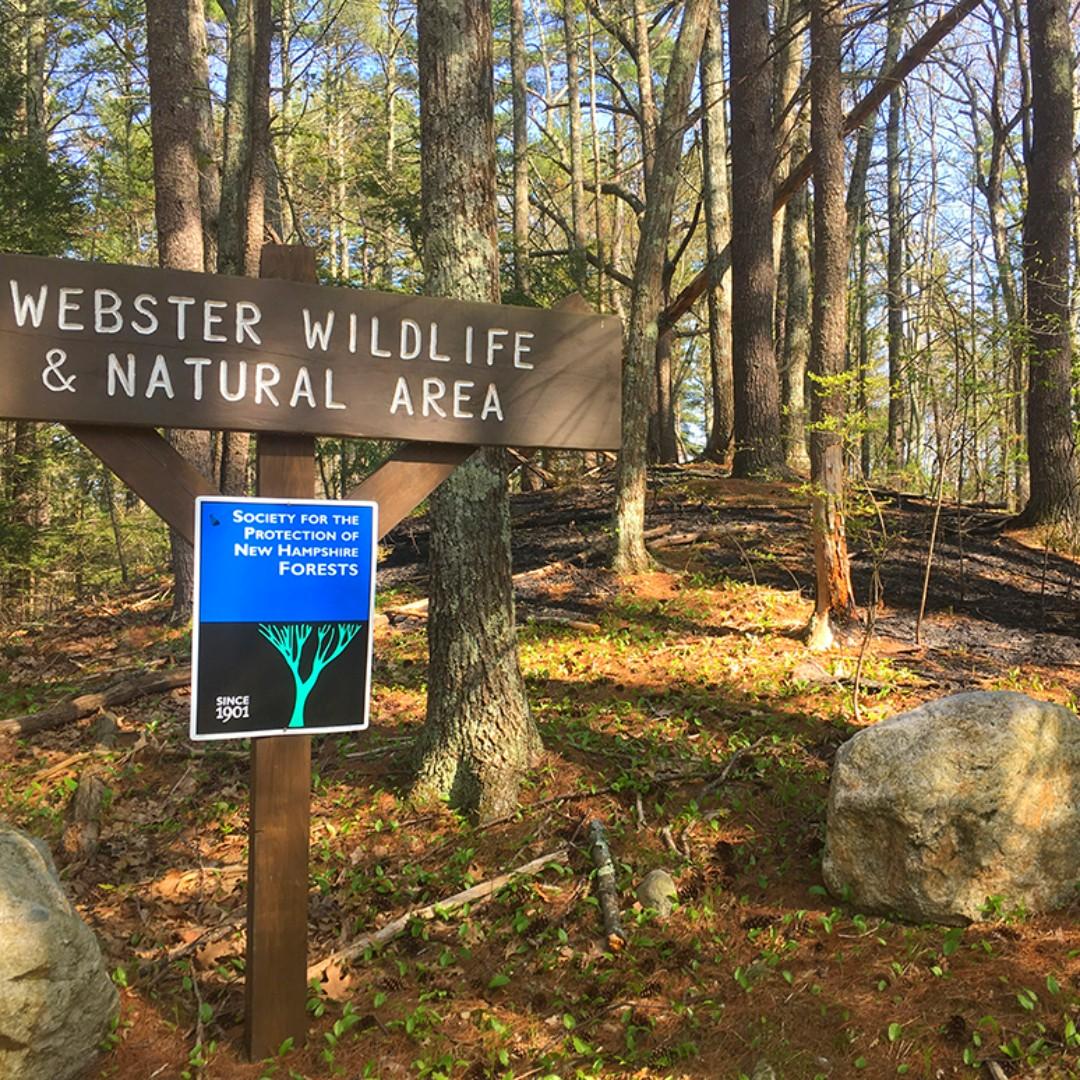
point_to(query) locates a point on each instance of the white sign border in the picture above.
(196, 595)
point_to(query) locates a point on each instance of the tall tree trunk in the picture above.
(520, 102)
(833, 596)
(667, 444)
(864, 144)
(894, 287)
(796, 341)
(991, 183)
(209, 175)
(285, 136)
(479, 736)
(245, 164)
(244, 180)
(788, 75)
(863, 351)
(647, 294)
(758, 446)
(597, 202)
(646, 103)
(717, 235)
(1055, 475)
(578, 264)
(174, 67)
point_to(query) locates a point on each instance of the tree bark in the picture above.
(833, 596)
(578, 264)
(894, 287)
(717, 234)
(175, 118)
(1055, 476)
(796, 341)
(646, 102)
(209, 174)
(479, 736)
(788, 75)
(647, 295)
(758, 446)
(247, 139)
(244, 181)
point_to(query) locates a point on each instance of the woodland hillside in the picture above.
(678, 706)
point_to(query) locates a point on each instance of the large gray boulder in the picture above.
(973, 796)
(56, 998)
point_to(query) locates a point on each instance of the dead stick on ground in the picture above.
(87, 704)
(731, 763)
(606, 891)
(398, 926)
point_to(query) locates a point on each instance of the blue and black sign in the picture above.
(284, 598)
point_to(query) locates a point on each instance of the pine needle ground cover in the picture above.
(682, 709)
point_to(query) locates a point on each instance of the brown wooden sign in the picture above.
(89, 343)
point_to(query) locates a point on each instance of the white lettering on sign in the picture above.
(25, 307)
(66, 307)
(432, 393)
(108, 312)
(107, 306)
(197, 363)
(318, 333)
(164, 348)
(232, 707)
(142, 301)
(125, 378)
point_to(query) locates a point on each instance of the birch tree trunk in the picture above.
(479, 736)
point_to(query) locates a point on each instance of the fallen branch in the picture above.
(606, 892)
(391, 930)
(732, 761)
(157, 682)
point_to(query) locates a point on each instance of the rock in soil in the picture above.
(657, 890)
(56, 997)
(971, 797)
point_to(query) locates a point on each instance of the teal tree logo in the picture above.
(331, 640)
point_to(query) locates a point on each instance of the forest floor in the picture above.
(643, 690)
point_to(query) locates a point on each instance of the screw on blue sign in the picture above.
(284, 598)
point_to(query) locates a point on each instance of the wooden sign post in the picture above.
(114, 352)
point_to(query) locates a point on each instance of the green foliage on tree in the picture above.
(40, 194)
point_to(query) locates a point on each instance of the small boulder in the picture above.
(56, 997)
(657, 890)
(973, 796)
